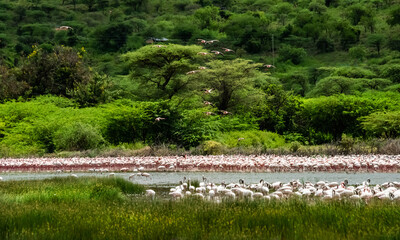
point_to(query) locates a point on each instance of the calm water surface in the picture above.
(173, 178)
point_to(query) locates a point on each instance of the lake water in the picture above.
(173, 178)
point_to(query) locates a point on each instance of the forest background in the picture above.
(145, 77)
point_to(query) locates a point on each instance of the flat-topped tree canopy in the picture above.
(160, 70)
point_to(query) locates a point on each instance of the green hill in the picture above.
(311, 71)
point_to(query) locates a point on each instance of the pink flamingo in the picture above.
(228, 50)
(218, 53)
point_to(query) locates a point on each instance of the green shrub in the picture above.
(392, 72)
(77, 136)
(251, 138)
(294, 146)
(327, 118)
(105, 193)
(354, 72)
(212, 147)
(347, 143)
(129, 121)
(4, 40)
(195, 126)
(382, 124)
(336, 85)
(289, 53)
(357, 53)
(126, 187)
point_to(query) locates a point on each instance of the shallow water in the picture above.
(173, 178)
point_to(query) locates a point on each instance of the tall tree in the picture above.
(54, 72)
(160, 70)
(231, 83)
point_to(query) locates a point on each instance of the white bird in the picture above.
(161, 168)
(157, 119)
(147, 175)
(63, 28)
(199, 195)
(211, 41)
(150, 193)
(132, 176)
(192, 72)
(176, 195)
(208, 91)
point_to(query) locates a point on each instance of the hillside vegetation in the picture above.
(205, 76)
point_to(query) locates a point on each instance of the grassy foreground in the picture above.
(93, 208)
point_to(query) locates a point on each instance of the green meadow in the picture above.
(113, 208)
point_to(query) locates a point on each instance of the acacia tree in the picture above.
(232, 83)
(160, 70)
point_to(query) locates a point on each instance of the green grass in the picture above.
(28, 211)
(57, 190)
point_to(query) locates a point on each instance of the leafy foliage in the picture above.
(231, 83)
(160, 69)
(252, 138)
(54, 72)
(285, 67)
(77, 136)
(382, 124)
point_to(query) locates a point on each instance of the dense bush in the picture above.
(130, 122)
(336, 85)
(212, 147)
(251, 139)
(77, 136)
(196, 126)
(279, 53)
(332, 116)
(53, 72)
(382, 124)
(295, 55)
(392, 72)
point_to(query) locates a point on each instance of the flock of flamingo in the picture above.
(216, 163)
(280, 191)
